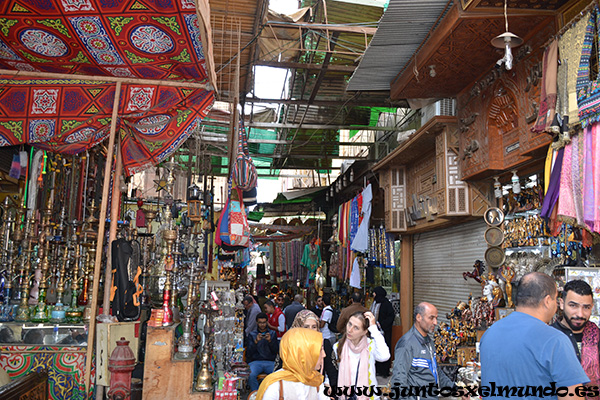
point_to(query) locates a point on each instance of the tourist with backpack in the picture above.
(327, 320)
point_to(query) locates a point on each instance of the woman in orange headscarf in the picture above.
(302, 353)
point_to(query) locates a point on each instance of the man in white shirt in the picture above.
(326, 317)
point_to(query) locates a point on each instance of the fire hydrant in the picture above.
(120, 364)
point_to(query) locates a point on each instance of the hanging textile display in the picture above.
(569, 48)
(355, 274)
(588, 92)
(548, 94)
(244, 172)
(381, 248)
(153, 40)
(286, 260)
(361, 239)
(311, 259)
(75, 115)
(359, 246)
(579, 179)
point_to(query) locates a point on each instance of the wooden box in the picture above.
(34, 385)
(165, 377)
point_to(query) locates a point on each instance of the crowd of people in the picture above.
(303, 354)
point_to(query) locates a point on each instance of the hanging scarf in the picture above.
(570, 47)
(588, 176)
(566, 207)
(596, 168)
(345, 376)
(577, 169)
(553, 185)
(300, 349)
(548, 90)
(589, 353)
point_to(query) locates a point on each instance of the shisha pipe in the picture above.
(23, 308)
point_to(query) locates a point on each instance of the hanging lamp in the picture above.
(507, 40)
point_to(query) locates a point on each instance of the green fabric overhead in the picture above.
(280, 199)
(255, 216)
(374, 119)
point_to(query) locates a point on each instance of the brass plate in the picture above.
(493, 216)
(494, 256)
(494, 236)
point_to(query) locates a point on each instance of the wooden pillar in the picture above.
(406, 283)
(100, 240)
(112, 231)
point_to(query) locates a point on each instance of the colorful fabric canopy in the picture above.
(151, 39)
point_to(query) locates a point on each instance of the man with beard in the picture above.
(521, 351)
(577, 303)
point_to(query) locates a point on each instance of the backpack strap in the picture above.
(280, 390)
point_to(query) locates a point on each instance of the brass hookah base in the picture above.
(204, 379)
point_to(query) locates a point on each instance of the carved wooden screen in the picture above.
(397, 199)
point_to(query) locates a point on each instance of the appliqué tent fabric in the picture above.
(152, 39)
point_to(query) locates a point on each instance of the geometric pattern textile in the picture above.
(152, 39)
(148, 39)
(70, 116)
(65, 367)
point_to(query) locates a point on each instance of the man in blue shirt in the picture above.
(521, 353)
(261, 351)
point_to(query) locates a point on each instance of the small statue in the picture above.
(498, 300)
(508, 273)
(478, 269)
(320, 281)
(488, 288)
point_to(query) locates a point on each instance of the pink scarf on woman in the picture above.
(345, 376)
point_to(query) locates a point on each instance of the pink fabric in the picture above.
(588, 177)
(577, 176)
(345, 376)
(589, 353)
(566, 207)
(596, 158)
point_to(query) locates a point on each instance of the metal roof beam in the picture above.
(216, 138)
(324, 27)
(311, 67)
(325, 103)
(274, 125)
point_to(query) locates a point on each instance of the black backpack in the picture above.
(125, 289)
(335, 316)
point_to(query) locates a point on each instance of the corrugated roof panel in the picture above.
(403, 27)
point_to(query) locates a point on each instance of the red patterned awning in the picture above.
(135, 39)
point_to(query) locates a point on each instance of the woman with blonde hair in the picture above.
(302, 354)
(357, 351)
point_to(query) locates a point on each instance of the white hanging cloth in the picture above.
(361, 240)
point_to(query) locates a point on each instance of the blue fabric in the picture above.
(354, 218)
(521, 350)
(257, 368)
